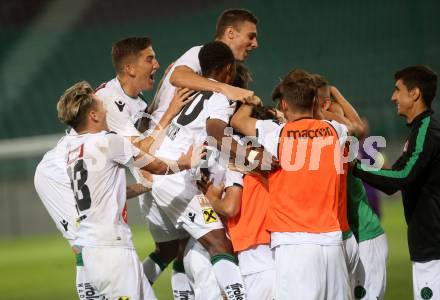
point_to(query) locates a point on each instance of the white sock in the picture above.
(153, 267)
(228, 276)
(180, 283)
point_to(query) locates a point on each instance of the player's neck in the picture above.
(417, 110)
(129, 89)
(91, 128)
(293, 116)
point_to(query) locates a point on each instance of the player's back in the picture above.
(166, 90)
(95, 164)
(189, 126)
(305, 191)
(53, 186)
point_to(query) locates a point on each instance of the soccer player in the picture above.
(237, 29)
(245, 203)
(342, 111)
(196, 259)
(177, 195)
(303, 214)
(135, 64)
(53, 186)
(94, 164)
(367, 261)
(415, 173)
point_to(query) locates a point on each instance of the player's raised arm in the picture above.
(242, 121)
(350, 117)
(183, 76)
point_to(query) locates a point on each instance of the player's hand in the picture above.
(254, 100)
(214, 192)
(236, 94)
(181, 97)
(191, 158)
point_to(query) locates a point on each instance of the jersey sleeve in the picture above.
(341, 130)
(220, 108)
(120, 149)
(414, 163)
(118, 116)
(233, 178)
(190, 59)
(268, 135)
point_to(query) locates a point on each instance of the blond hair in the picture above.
(74, 104)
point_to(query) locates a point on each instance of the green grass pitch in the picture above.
(42, 267)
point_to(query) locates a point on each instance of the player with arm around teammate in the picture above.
(96, 162)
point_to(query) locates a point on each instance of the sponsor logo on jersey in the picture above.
(320, 132)
(64, 223)
(235, 291)
(87, 292)
(120, 105)
(173, 130)
(209, 216)
(183, 295)
(191, 216)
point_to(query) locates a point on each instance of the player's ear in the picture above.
(415, 93)
(283, 105)
(229, 33)
(130, 69)
(230, 73)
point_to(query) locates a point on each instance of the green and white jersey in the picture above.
(364, 223)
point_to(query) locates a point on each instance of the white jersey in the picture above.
(123, 111)
(166, 90)
(95, 165)
(189, 126)
(54, 189)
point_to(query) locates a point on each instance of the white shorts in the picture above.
(426, 280)
(198, 268)
(352, 256)
(160, 227)
(260, 285)
(311, 271)
(83, 287)
(184, 205)
(116, 273)
(370, 274)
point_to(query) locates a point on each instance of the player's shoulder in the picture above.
(193, 51)
(190, 58)
(339, 127)
(107, 90)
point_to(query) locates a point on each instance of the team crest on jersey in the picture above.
(426, 293)
(359, 292)
(209, 216)
(120, 105)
